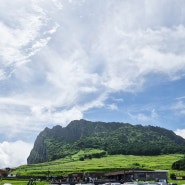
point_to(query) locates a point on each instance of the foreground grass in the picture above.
(105, 164)
(22, 182)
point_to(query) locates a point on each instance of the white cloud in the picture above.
(59, 59)
(13, 154)
(151, 116)
(179, 107)
(112, 107)
(21, 30)
(132, 56)
(109, 51)
(118, 99)
(180, 132)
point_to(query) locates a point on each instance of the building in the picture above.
(145, 175)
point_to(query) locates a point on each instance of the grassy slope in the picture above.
(108, 163)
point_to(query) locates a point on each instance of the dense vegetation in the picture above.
(179, 164)
(111, 138)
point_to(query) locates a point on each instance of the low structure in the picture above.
(3, 173)
(144, 175)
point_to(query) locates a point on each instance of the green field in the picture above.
(72, 164)
(108, 163)
(22, 182)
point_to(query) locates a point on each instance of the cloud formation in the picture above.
(14, 153)
(59, 59)
(180, 132)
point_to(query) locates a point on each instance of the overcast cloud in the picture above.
(61, 59)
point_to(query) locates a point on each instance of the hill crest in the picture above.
(112, 137)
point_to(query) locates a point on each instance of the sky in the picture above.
(104, 60)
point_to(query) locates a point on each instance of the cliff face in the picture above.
(113, 138)
(39, 152)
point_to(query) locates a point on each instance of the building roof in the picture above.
(135, 171)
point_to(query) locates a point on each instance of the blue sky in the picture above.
(109, 60)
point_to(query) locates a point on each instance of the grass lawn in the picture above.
(109, 163)
(22, 182)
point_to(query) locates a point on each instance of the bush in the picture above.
(172, 176)
(81, 158)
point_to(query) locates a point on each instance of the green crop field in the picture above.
(72, 164)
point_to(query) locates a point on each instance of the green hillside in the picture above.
(109, 163)
(111, 138)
